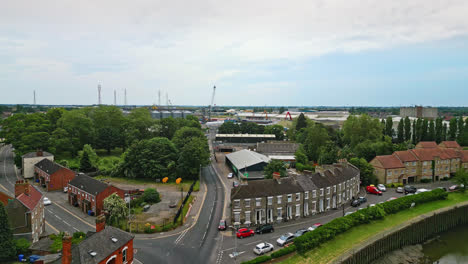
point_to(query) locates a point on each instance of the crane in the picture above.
(211, 104)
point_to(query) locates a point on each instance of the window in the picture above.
(407, 163)
(258, 202)
(270, 200)
(289, 198)
(124, 255)
(279, 199)
(334, 188)
(314, 192)
(237, 217)
(339, 198)
(414, 170)
(280, 213)
(328, 190)
(298, 210)
(247, 202)
(321, 192)
(389, 172)
(247, 217)
(414, 163)
(328, 203)
(425, 170)
(425, 163)
(298, 197)
(306, 209)
(344, 196)
(236, 204)
(306, 195)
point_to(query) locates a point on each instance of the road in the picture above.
(198, 244)
(58, 218)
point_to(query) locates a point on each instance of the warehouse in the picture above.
(244, 138)
(246, 164)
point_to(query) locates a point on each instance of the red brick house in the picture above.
(89, 193)
(53, 175)
(109, 245)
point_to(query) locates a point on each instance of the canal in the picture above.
(451, 247)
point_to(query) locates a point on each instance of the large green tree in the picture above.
(438, 130)
(277, 130)
(116, 208)
(328, 153)
(362, 128)
(79, 128)
(7, 244)
(138, 126)
(407, 122)
(461, 177)
(366, 171)
(452, 133)
(274, 166)
(301, 122)
(389, 127)
(431, 131)
(401, 131)
(313, 138)
(193, 155)
(424, 130)
(186, 134)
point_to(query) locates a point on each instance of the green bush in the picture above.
(22, 246)
(283, 251)
(445, 179)
(299, 166)
(426, 180)
(151, 196)
(196, 187)
(260, 259)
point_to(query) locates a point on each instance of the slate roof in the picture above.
(49, 166)
(34, 154)
(405, 156)
(390, 162)
(88, 184)
(31, 200)
(101, 243)
(427, 144)
(246, 158)
(451, 144)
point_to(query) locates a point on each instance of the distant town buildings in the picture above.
(419, 112)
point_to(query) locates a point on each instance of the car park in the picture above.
(314, 226)
(264, 229)
(300, 232)
(47, 201)
(399, 190)
(373, 190)
(263, 248)
(355, 203)
(409, 189)
(381, 187)
(222, 225)
(244, 232)
(230, 175)
(285, 239)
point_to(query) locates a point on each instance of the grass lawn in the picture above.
(344, 242)
(186, 184)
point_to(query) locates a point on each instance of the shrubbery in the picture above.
(151, 196)
(426, 180)
(283, 251)
(394, 185)
(22, 246)
(257, 260)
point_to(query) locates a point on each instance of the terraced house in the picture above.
(426, 161)
(298, 195)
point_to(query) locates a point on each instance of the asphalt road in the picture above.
(57, 217)
(199, 244)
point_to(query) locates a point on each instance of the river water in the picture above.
(450, 248)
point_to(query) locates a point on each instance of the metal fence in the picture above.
(413, 233)
(183, 202)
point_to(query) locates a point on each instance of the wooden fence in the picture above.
(415, 232)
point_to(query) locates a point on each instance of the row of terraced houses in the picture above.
(298, 195)
(426, 161)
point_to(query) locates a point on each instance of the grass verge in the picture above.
(185, 184)
(332, 249)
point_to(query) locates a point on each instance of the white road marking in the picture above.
(58, 217)
(258, 241)
(181, 236)
(66, 223)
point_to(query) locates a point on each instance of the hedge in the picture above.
(339, 225)
(283, 251)
(257, 260)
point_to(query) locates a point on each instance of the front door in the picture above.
(321, 205)
(289, 212)
(270, 215)
(404, 181)
(258, 217)
(334, 201)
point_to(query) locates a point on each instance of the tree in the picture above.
(185, 134)
(431, 131)
(444, 132)
(139, 121)
(79, 127)
(152, 158)
(151, 196)
(407, 129)
(424, 130)
(389, 127)
(461, 178)
(53, 115)
(193, 154)
(85, 163)
(313, 137)
(116, 208)
(438, 130)
(401, 131)
(229, 128)
(7, 244)
(93, 157)
(328, 153)
(415, 137)
(461, 129)
(301, 156)
(452, 133)
(366, 170)
(362, 128)
(274, 166)
(301, 122)
(277, 130)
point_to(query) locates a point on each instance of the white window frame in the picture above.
(247, 202)
(289, 198)
(279, 212)
(236, 203)
(306, 209)
(334, 188)
(124, 254)
(306, 195)
(247, 217)
(270, 200)
(298, 197)
(321, 191)
(237, 217)
(278, 199)
(328, 190)
(258, 202)
(314, 193)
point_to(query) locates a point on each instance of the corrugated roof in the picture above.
(246, 158)
(390, 162)
(31, 200)
(405, 156)
(88, 184)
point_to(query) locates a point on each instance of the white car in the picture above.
(422, 190)
(381, 187)
(284, 239)
(263, 248)
(65, 189)
(47, 201)
(230, 175)
(348, 213)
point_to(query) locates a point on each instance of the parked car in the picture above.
(244, 232)
(399, 190)
(314, 226)
(263, 248)
(362, 199)
(355, 203)
(264, 229)
(455, 187)
(230, 175)
(381, 187)
(391, 198)
(372, 189)
(235, 184)
(348, 213)
(371, 205)
(47, 201)
(146, 208)
(285, 239)
(222, 225)
(422, 190)
(300, 232)
(65, 189)
(409, 189)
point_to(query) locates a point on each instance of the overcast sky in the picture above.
(307, 52)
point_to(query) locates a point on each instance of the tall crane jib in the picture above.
(211, 104)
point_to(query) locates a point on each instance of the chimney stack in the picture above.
(100, 223)
(277, 177)
(39, 153)
(66, 249)
(22, 187)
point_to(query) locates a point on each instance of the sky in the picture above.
(257, 52)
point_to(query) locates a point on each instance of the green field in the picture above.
(346, 241)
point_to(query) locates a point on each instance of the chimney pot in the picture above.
(39, 153)
(100, 222)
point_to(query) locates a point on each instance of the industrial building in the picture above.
(246, 164)
(244, 138)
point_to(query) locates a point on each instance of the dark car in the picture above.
(264, 229)
(300, 232)
(355, 203)
(409, 189)
(362, 199)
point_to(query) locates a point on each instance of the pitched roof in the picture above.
(426, 144)
(101, 243)
(88, 184)
(4, 198)
(405, 156)
(450, 144)
(430, 154)
(31, 200)
(390, 162)
(49, 166)
(464, 155)
(246, 158)
(451, 153)
(268, 187)
(34, 154)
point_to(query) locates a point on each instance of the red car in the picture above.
(244, 232)
(372, 189)
(222, 225)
